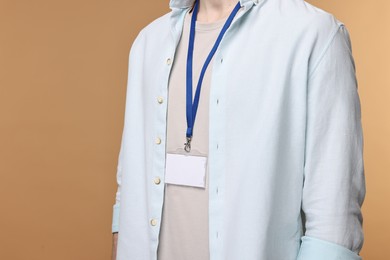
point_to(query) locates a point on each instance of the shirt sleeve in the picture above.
(334, 182)
(116, 207)
(135, 52)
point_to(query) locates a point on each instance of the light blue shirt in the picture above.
(286, 172)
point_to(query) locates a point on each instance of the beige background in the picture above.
(63, 67)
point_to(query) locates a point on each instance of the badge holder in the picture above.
(186, 168)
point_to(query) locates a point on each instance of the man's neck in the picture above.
(214, 10)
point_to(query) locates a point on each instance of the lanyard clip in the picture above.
(187, 145)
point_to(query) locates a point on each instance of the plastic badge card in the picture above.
(188, 170)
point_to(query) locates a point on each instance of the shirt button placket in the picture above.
(216, 166)
(158, 141)
(160, 135)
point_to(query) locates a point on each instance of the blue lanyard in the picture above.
(191, 108)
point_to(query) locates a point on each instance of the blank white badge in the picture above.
(188, 170)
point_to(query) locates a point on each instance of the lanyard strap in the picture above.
(192, 107)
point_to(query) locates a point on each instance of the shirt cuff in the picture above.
(314, 248)
(115, 218)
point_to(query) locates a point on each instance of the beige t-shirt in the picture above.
(184, 227)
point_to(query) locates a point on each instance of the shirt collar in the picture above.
(188, 3)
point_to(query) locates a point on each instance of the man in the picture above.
(242, 136)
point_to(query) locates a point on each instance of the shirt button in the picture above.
(169, 61)
(157, 180)
(153, 222)
(160, 100)
(158, 140)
